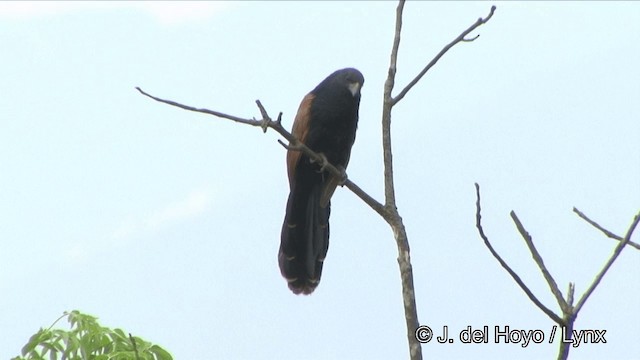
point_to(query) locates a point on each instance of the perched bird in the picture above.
(326, 122)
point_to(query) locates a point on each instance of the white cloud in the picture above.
(180, 12)
(193, 204)
(165, 12)
(30, 9)
(77, 253)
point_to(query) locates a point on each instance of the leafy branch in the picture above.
(87, 339)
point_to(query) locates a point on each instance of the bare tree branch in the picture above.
(595, 224)
(389, 187)
(569, 312)
(513, 274)
(616, 252)
(252, 122)
(605, 231)
(538, 260)
(265, 123)
(460, 38)
(393, 217)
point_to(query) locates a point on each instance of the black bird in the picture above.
(326, 122)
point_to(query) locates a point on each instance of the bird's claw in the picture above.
(323, 162)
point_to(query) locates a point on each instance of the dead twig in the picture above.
(538, 260)
(460, 38)
(556, 318)
(605, 231)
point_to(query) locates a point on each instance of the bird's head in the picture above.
(349, 78)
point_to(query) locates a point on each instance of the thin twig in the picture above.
(513, 274)
(596, 225)
(204, 111)
(460, 38)
(373, 203)
(570, 294)
(605, 231)
(389, 187)
(472, 39)
(616, 252)
(287, 146)
(58, 319)
(538, 260)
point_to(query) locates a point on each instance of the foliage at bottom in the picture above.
(88, 340)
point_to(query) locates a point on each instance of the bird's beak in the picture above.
(354, 88)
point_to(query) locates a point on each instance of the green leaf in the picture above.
(34, 340)
(160, 353)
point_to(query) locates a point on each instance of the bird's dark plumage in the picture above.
(326, 122)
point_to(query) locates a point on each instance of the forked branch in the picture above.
(460, 38)
(557, 319)
(394, 219)
(569, 312)
(616, 252)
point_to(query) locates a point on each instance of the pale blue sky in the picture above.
(166, 223)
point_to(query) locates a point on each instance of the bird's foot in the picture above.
(323, 162)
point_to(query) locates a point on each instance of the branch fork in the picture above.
(569, 311)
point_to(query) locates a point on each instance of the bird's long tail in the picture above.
(305, 239)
